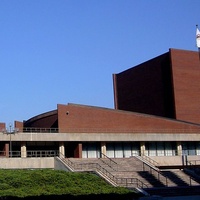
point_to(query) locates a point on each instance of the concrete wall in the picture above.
(173, 160)
(58, 165)
(32, 163)
(27, 163)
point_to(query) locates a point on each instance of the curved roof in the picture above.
(44, 120)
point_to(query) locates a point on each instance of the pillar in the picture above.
(103, 149)
(78, 151)
(142, 148)
(7, 150)
(179, 148)
(61, 149)
(23, 150)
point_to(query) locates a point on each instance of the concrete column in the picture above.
(7, 150)
(78, 151)
(142, 148)
(103, 149)
(62, 149)
(179, 148)
(23, 150)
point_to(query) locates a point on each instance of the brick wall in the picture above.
(146, 88)
(186, 81)
(19, 126)
(79, 118)
(167, 86)
(2, 127)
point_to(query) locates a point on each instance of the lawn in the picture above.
(24, 183)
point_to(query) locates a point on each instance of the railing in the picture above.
(37, 153)
(10, 154)
(130, 182)
(7, 131)
(155, 171)
(193, 162)
(171, 152)
(40, 130)
(125, 182)
(100, 130)
(149, 159)
(111, 163)
(193, 170)
(43, 153)
(124, 130)
(149, 165)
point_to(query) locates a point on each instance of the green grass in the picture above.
(23, 183)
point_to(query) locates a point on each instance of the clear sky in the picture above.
(65, 51)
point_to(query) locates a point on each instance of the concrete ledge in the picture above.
(27, 163)
(173, 160)
(101, 137)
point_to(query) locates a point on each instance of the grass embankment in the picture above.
(24, 183)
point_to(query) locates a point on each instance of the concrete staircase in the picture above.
(179, 178)
(91, 165)
(134, 173)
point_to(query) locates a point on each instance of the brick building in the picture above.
(157, 113)
(166, 86)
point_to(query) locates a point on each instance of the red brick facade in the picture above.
(146, 88)
(186, 77)
(19, 126)
(2, 126)
(167, 86)
(79, 119)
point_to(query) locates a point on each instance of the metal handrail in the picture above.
(128, 182)
(42, 153)
(193, 162)
(110, 160)
(10, 154)
(88, 167)
(40, 130)
(155, 171)
(100, 130)
(123, 130)
(150, 160)
(152, 169)
(160, 176)
(30, 153)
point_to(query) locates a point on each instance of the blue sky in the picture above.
(58, 52)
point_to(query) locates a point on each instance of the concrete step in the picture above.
(179, 178)
(130, 168)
